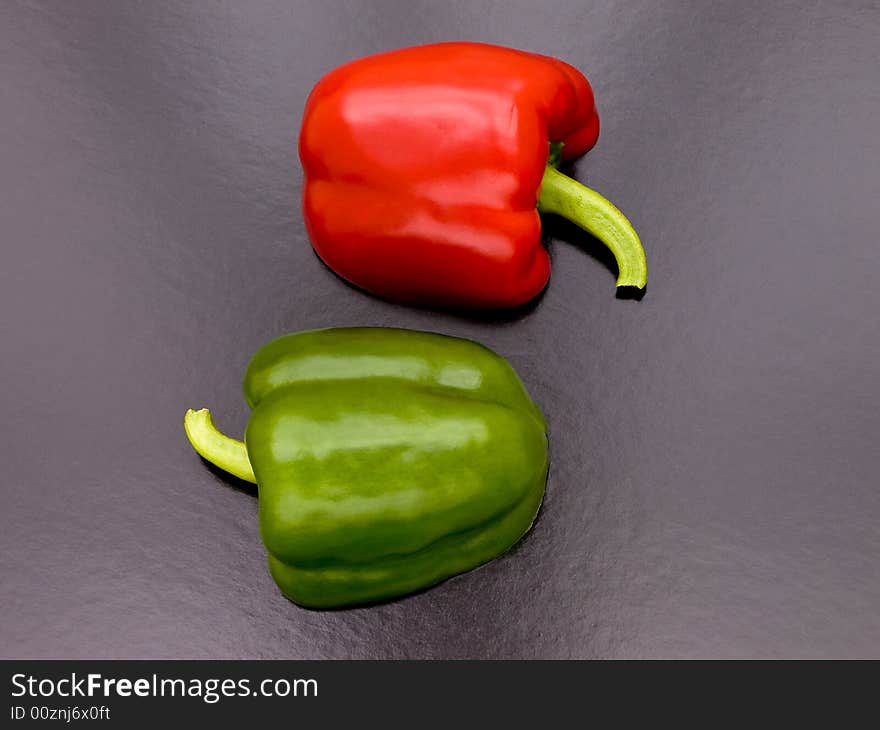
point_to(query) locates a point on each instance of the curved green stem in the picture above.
(229, 454)
(564, 196)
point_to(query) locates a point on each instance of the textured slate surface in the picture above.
(714, 485)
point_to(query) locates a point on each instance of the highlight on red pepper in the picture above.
(425, 169)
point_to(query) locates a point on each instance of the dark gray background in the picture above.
(714, 485)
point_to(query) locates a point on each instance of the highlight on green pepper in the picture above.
(387, 460)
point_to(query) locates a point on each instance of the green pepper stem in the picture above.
(222, 451)
(584, 207)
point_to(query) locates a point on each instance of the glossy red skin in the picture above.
(423, 168)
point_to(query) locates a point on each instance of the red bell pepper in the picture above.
(425, 169)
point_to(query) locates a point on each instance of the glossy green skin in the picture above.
(388, 460)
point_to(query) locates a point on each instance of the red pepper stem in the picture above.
(222, 451)
(584, 207)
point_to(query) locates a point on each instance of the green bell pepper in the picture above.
(387, 460)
